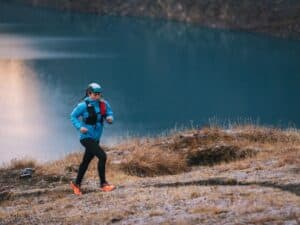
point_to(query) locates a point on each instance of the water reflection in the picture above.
(32, 48)
(21, 112)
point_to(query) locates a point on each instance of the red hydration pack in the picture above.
(102, 107)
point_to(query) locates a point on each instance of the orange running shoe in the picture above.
(107, 187)
(76, 189)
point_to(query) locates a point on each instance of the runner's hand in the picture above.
(109, 119)
(83, 130)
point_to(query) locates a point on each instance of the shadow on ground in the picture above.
(292, 188)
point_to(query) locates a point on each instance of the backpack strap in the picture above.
(102, 107)
(92, 116)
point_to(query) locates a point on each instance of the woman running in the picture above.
(88, 118)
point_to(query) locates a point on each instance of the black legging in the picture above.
(92, 149)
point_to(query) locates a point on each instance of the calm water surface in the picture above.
(157, 76)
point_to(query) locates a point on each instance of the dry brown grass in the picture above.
(209, 146)
(195, 195)
(215, 154)
(207, 210)
(156, 213)
(22, 163)
(274, 219)
(178, 152)
(290, 156)
(206, 195)
(62, 166)
(154, 162)
(69, 165)
(3, 215)
(268, 135)
(237, 165)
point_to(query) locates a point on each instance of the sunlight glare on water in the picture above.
(21, 112)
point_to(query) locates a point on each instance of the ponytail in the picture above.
(87, 91)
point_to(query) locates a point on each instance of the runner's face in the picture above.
(95, 96)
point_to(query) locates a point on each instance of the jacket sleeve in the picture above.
(109, 112)
(76, 113)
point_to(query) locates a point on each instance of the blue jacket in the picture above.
(79, 114)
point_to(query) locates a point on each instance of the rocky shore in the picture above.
(275, 17)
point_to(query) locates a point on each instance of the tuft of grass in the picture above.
(195, 195)
(216, 154)
(154, 162)
(3, 215)
(207, 210)
(268, 135)
(155, 213)
(289, 156)
(22, 163)
(274, 219)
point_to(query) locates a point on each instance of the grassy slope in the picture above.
(209, 176)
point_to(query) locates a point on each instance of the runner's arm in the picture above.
(76, 113)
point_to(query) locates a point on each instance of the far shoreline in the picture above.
(280, 19)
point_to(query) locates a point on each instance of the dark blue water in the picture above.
(157, 76)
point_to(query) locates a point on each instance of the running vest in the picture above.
(92, 118)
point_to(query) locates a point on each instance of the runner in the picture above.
(88, 118)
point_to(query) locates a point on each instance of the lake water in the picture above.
(157, 76)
